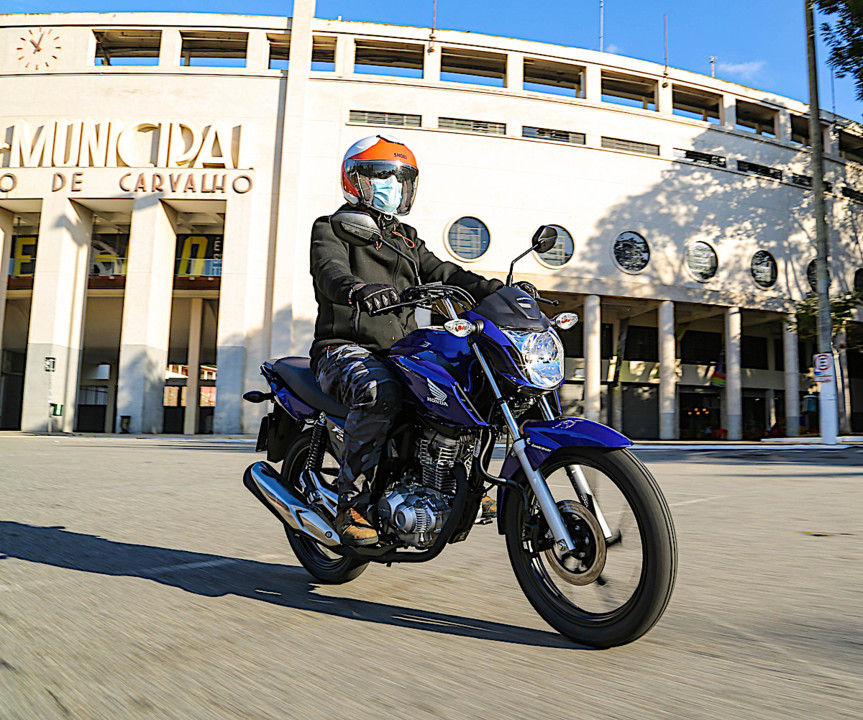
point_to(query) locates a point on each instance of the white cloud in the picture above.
(744, 71)
(615, 49)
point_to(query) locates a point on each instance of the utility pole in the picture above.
(827, 394)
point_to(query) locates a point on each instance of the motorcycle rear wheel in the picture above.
(621, 587)
(321, 563)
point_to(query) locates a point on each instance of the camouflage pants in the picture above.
(363, 383)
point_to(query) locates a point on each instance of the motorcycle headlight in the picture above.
(542, 356)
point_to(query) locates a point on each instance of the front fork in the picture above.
(537, 482)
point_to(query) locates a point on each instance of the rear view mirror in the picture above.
(544, 239)
(355, 227)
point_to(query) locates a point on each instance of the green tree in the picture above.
(842, 310)
(844, 36)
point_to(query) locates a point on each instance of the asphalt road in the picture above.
(140, 579)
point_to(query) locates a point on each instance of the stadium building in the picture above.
(160, 173)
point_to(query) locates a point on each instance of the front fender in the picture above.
(546, 436)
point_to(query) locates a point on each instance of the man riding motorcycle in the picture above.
(379, 178)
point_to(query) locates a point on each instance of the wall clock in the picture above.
(38, 48)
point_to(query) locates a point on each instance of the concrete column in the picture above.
(431, 64)
(57, 313)
(345, 53)
(7, 228)
(258, 50)
(241, 339)
(664, 98)
(514, 79)
(294, 219)
(729, 112)
(111, 409)
(592, 356)
(792, 378)
(170, 48)
(733, 388)
(193, 363)
(593, 83)
(783, 125)
(146, 315)
(668, 429)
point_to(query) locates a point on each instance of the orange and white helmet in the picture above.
(381, 173)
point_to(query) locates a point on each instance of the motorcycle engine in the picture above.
(416, 508)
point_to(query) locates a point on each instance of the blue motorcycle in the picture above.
(588, 532)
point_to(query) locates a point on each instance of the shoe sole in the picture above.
(359, 543)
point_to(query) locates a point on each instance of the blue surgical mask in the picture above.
(388, 194)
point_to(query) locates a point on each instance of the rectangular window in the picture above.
(127, 47)
(753, 352)
(696, 104)
(633, 146)
(323, 53)
(472, 66)
(629, 90)
(700, 348)
(474, 126)
(573, 341)
(778, 354)
(800, 130)
(214, 48)
(377, 57)
(642, 343)
(806, 181)
(757, 119)
(756, 169)
(850, 147)
(557, 78)
(280, 50)
(852, 194)
(700, 158)
(370, 117)
(567, 136)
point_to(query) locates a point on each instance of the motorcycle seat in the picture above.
(299, 378)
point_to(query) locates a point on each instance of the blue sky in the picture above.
(760, 43)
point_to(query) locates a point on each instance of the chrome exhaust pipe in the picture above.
(263, 480)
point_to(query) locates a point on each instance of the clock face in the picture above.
(38, 48)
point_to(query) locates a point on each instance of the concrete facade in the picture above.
(159, 126)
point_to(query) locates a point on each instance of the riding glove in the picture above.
(374, 296)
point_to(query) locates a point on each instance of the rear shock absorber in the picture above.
(318, 445)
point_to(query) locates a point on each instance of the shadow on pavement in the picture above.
(840, 457)
(216, 575)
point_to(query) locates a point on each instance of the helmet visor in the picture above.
(362, 172)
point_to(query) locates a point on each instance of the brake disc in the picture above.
(583, 565)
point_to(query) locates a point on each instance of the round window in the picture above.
(701, 260)
(562, 251)
(763, 269)
(631, 252)
(812, 276)
(468, 238)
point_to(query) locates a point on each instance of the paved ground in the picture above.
(139, 579)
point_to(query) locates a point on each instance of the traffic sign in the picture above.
(823, 364)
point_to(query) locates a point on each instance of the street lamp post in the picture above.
(827, 394)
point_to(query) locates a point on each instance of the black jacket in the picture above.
(337, 266)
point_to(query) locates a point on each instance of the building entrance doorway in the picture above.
(700, 417)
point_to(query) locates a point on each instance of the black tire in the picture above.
(657, 550)
(322, 564)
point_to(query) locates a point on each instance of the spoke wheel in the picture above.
(610, 591)
(318, 560)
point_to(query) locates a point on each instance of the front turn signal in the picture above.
(460, 328)
(564, 321)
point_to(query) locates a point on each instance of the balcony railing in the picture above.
(108, 268)
(194, 267)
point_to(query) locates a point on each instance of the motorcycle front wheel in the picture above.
(321, 563)
(617, 584)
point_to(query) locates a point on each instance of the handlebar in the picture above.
(433, 292)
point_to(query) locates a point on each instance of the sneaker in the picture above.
(354, 529)
(489, 507)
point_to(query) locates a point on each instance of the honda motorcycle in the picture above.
(588, 531)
